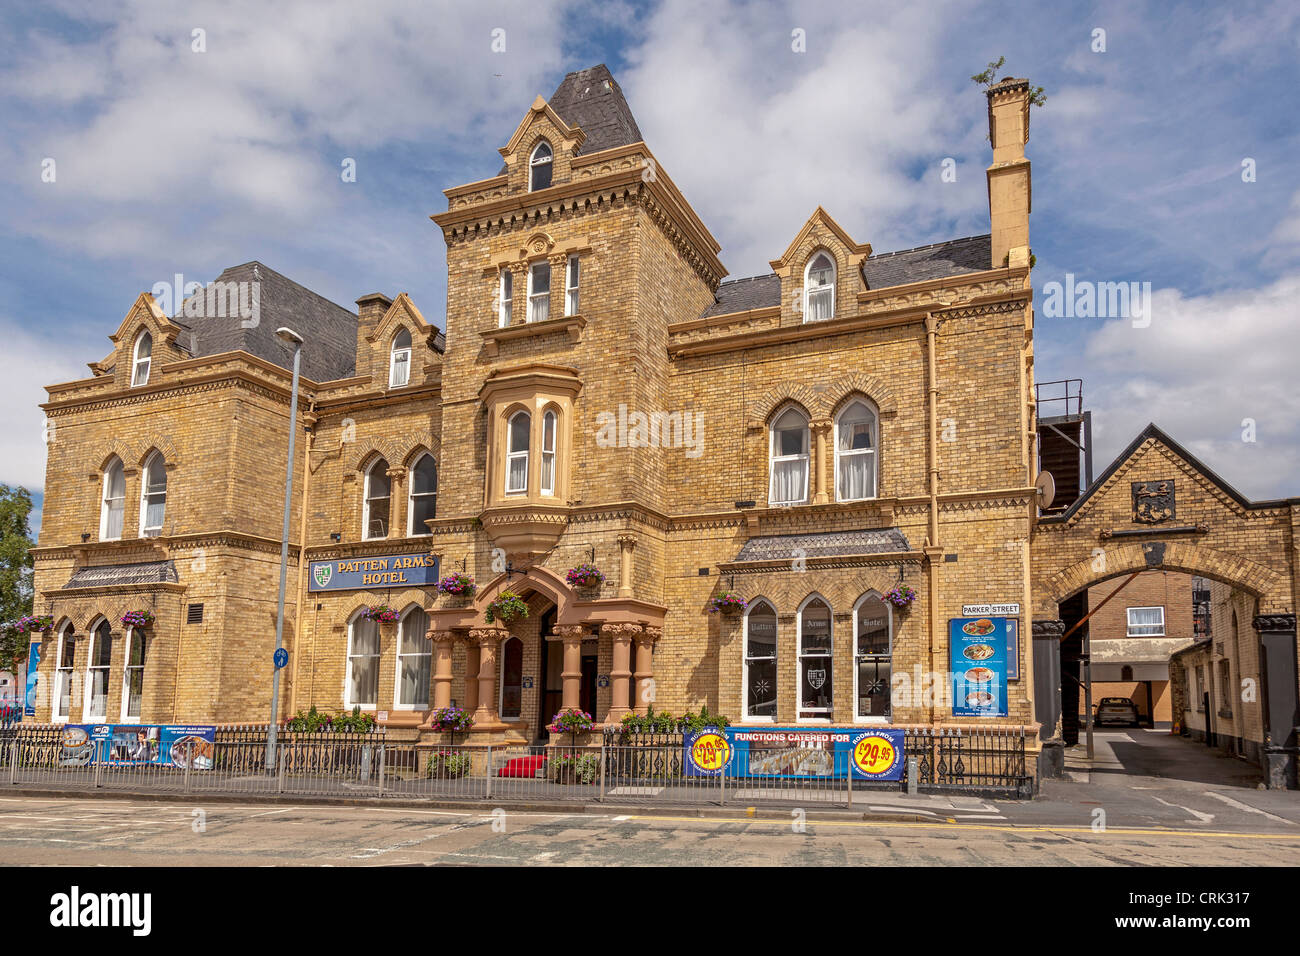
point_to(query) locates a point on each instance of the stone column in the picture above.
(820, 430)
(626, 542)
(488, 640)
(621, 672)
(645, 672)
(396, 492)
(571, 635)
(443, 642)
(471, 676)
(1046, 652)
(1277, 651)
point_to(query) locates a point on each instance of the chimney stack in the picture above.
(371, 310)
(1008, 175)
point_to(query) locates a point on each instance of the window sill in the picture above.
(572, 325)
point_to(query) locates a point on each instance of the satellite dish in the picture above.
(1046, 487)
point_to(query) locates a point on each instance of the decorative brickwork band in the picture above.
(1275, 623)
(1048, 628)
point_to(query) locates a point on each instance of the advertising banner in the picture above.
(378, 571)
(130, 745)
(33, 661)
(795, 753)
(977, 648)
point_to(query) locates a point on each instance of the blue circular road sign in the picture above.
(281, 657)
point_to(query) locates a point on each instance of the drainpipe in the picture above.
(310, 418)
(932, 548)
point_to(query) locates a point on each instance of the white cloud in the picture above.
(1203, 366)
(33, 362)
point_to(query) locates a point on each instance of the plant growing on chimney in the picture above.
(987, 79)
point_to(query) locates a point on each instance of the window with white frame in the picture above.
(133, 677)
(1146, 622)
(362, 683)
(65, 658)
(377, 500)
(789, 458)
(399, 363)
(517, 437)
(414, 659)
(141, 359)
(423, 496)
(505, 297)
(540, 167)
(815, 671)
(539, 292)
(98, 663)
(855, 453)
(511, 704)
(571, 287)
(872, 656)
(548, 453)
(153, 496)
(113, 508)
(760, 661)
(819, 288)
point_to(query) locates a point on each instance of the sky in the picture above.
(187, 137)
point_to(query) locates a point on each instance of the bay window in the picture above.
(517, 453)
(548, 453)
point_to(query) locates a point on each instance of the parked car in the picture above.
(1117, 710)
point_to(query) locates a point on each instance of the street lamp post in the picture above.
(293, 339)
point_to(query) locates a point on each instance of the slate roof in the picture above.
(781, 547)
(329, 330)
(592, 99)
(936, 261)
(109, 575)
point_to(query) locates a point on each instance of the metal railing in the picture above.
(989, 761)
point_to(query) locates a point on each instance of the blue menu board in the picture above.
(977, 648)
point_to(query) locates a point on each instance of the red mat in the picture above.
(522, 766)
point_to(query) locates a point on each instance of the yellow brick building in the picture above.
(805, 439)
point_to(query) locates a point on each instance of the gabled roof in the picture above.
(1153, 431)
(936, 261)
(591, 99)
(328, 329)
(820, 217)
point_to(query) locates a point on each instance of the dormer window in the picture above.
(539, 167)
(399, 364)
(539, 292)
(141, 359)
(819, 289)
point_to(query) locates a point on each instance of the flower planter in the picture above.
(447, 766)
(728, 604)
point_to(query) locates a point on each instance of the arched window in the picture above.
(815, 676)
(517, 453)
(539, 292)
(511, 705)
(872, 656)
(377, 501)
(65, 657)
(133, 678)
(141, 359)
(153, 496)
(414, 659)
(548, 453)
(760, 662)
(789, 459)
(399, 363)
(423, 496)
(539, 167)
(113, 507)
(98, 663)
(819, 288)
(855, 453)
(362, 681)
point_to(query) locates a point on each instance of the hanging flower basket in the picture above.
(458, 584)
(34, 624)
(901, 595)
(451, 720)
(138, 619)
(385, 616)
(571, 721)
(585, 576)
(728, 603)
(507, 607)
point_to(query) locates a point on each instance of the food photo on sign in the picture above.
(978, 661)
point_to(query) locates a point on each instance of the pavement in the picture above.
(1147, 798)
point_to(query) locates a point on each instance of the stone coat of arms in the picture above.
(1153, 501)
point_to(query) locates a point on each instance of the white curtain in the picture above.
(540, 305)
(790, 480)
(363, 687)
(114, 501)
(1146, 621)
(857, 476)
(819, 304)
(416, 658)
